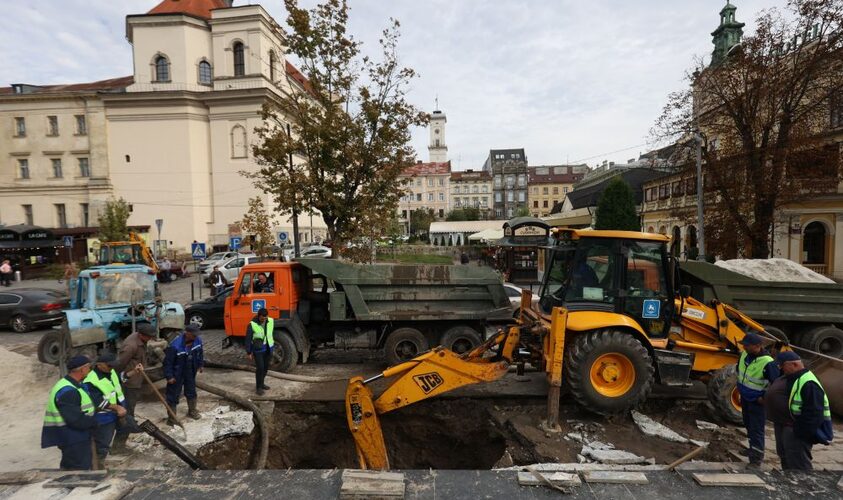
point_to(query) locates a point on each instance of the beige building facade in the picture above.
(472, 188)
(549, 185)
(427, 188)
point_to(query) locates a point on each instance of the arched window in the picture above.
(272, 61)
(162, 69)
(205, 72)
(239, 59)
(238, 142)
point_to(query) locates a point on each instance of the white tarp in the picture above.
(486, 235)
(773, 270)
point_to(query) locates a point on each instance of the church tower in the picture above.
(437, 149)
(727, 35)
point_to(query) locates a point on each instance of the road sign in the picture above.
(651, 309)
(257, 305)
(198, 251)
(159, 223)
(283, 236)
(234, 242)
(68, 241)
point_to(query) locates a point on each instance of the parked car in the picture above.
(214, 258)
(24, 309)
(231, 268)
(316, 251)
(513, 292)
(208, 313)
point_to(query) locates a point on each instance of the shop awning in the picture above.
(486, 235)
(29, 245)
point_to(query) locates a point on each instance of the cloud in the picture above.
(564, 79)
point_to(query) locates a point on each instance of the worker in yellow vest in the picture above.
(69, 419)
(756, 371)
(259, 344)
(808, 405)
(103, 384)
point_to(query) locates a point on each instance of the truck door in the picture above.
(238, 309)
(646, 296)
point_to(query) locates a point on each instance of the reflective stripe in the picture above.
(796, 395)
(751, 375)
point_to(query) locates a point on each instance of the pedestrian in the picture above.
(259, 345)
(778, 412)
(69, 419)
(756, 371)
(69, 275)
(131, 361)
(182, 360)
(217, 281)
(103, 384)
(166, 269)
(463, 258)
(808, 406)
(6, 273)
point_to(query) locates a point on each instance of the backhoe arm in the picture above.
(430, 374)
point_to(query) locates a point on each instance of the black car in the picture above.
(24, 309)
(208, 313)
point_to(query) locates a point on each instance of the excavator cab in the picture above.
(611, 271)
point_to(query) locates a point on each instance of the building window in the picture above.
(836, 106)
(81, 125)
(272, 62)
(23, 168)
(484, 188)
(456, 202)
(61, 215)
(403, 214)
(57, 168)
(239, 59)
(441, 181)
(498, 213)
(83, 209)
(430, 182)
(485, 201)
(545, 190)
(536, 203)
(238, 141)
(418, 197)
(429, 196)
(522, 180)
(565, 190)
(522, 196)
(441, 213)
(52, 126)
(27, 214)
(544, 204)
(498, 182)
(20, 127)
(162, 69)
(84, 168)
(509, 212)
(465, 189)
(441, 196)
(205, 73)
(510, 196)
(474, 189)
(418, 182)
(555, 189)
(498, 198)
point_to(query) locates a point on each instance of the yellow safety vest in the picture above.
(52, 417)
(109, 387)
(752, 375)
(796, 395)
(258, 332)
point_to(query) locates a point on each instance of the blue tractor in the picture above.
(106, 302)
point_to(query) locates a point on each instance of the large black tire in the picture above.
(49, 348)
(403, 345)
(778, 333)
(21, 324)
(826, 340)
(284, 354)
(609, 371)
(460, 339)
(723, 394)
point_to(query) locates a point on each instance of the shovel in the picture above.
(170, 411)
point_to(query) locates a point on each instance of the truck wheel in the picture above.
(460, 339)
(284, 354)
(778, 333)
(609, 371)
(49, 348)
(826, 340)
(724, 396)
(403, 345)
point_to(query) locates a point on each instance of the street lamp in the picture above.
(701, 233)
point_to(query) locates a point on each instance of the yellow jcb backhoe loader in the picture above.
(133, 251)
(612, 321)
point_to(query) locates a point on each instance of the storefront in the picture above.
(30, 249)
(519, 250)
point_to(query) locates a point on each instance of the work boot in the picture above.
(119, 444)
(192, 412)
(259, 391)
(170, 420)
(265, 387)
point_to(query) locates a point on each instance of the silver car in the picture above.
(230, 268)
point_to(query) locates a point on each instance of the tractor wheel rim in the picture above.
(735, 399)
(612, 375)
(830, 347)
(461, 346)
(406, 350)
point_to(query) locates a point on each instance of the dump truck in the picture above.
(808, 315)
(402, 309)
(612, 322)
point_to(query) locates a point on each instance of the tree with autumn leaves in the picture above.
(762, 115)
(347, 131)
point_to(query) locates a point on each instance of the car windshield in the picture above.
(124, 288)
(123, 254)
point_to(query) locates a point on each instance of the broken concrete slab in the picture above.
(113, 489)
(710, 466)
(725, 479)
(610, 456)
(615, 477)
(706, 426)
(840, 484)
(652, 428)
(364, 484)
(572, 467)
(555, 478)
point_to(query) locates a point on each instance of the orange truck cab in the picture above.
(402, 309)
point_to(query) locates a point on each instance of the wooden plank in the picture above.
(613, 477)
(725, 479)
(556, 478)
(19, 477)
(371, 484)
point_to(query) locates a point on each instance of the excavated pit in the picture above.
(470, 434)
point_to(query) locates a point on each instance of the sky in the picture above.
(568, 81)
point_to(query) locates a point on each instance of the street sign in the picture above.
(257, 305)
(234, 242)
(198, 251)
(68, 241)
(283, 236)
